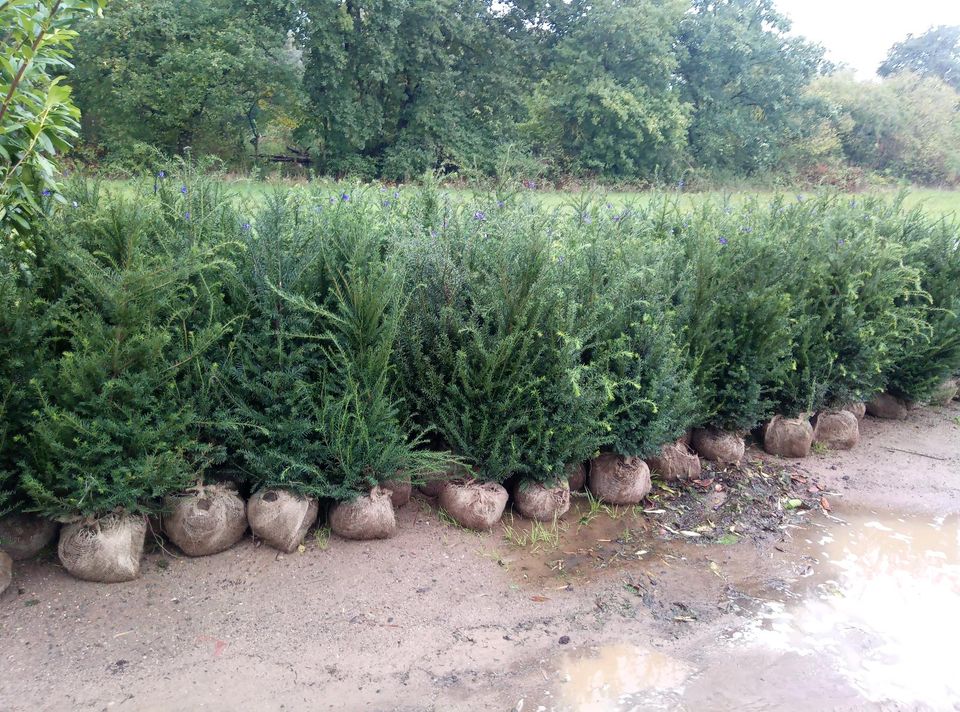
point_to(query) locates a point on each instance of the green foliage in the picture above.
(904, 126)
(851, 296)
(734, 313)
(310, 402)
(609, 103)
(921, 365)
(37, 118)
(206, 74)
(490, 353)
(744, 76)
(935, 53)
(397, 88)
(115, 426)
(614, 271)
(19, 351)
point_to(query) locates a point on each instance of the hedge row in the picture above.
(323, 343)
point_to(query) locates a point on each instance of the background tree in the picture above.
(744, 77)
(609, 103)
(172, 74)
(935, 53)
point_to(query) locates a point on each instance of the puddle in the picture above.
(616, 677)
(878, 602)
(870, 619)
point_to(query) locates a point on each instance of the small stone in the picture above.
(564, 639)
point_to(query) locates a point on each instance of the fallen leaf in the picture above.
(825, 503)
(728, 539)
(539, 599)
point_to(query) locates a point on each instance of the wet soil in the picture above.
(828, 583)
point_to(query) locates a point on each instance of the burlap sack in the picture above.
(884, 405)
(23, 536)
(947, 391)
(474, 505)
(788, 437)
(676, 461)
(576, 475)
(206, 521)
(107, 550)
(6, 571)
(718, 445)
(837, 430)
(858, 409)
(281, 518)
(431, 483)
(400, 490)
(616, 479)
(369, 516)
(542, 503)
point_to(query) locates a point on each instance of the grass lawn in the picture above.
(933, 201)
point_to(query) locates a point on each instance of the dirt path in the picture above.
(606, 613)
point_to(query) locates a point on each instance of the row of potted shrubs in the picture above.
(172, 352)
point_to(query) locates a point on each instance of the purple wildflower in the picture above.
(183, 189)
(161, 174)
(186, 215)
(723, 241)
(45, 192)
(345, 198)
(480, 215)
(245, 227)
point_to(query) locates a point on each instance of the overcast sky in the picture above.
(859, 32)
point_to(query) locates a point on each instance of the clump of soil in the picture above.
(205, 522)
(369, 516)
(718, 445)
(281, 518)
(541, 503)
(576, 476)
(676, 461)
(107, 550)
(400, 490)
(884, 405)
(788, 437)
(474, 505)
(616, 479)
(837, 430)
(432, 483)
(23, 536)
(6, 571)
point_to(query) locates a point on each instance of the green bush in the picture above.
(311, 392)
(614, 273)
(733, 310)
(19, 360)
(491, 350)
(922, 364)
(851, 294)
(115, 426)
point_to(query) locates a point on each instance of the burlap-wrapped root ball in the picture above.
(431, 483)
(6, 571)
(576, 473)
(718, 446)
(400, 490)
(281, 518)
(946, 392)
(675, 461)
(369, 516)
(837, 430)
(884, 405)
(541, 502)
(205, 522)
(788, 437)
(474, 505)
(23, 536)
(859, 409)
(107, 550)
(616, 479)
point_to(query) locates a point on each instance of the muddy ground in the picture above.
(832, 583)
